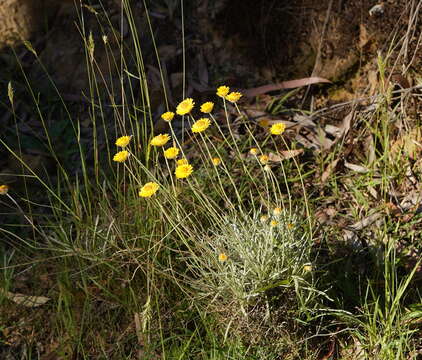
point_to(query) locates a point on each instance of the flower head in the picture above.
(123, 141)
(148, 189)
(222, 91)
(171, 152)
(4, 189)
(121, 156)
(216, 161)
(207, 107)
(264, 159)
(222, 257)
(185, 107)
(264, 123)
(307, 267)
(277, 211)
(182, 162)
(278, 129)
(273, 223)
(183, 171)
(254, 151)
(160, 140)
(234, 97)
(263, 218)
(168, 116)
(201, 125)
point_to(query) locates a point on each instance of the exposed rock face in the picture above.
(19, 19)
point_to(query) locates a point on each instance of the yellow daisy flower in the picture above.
(254, 151)
(201, 125)
(185, 107)
(168, 116)
(222, 257)
(160, 140)
(171, 152)
(183, 171)
(207, 107)
(182, 162)
(216, 161)
(148, 189)
(278, 129)
(4, 189)
(274, 223)
(277, 211)
(222, 91)
(264, 159)
(123, 141)
(121, 156)
(234, 97)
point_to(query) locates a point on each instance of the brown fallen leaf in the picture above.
(325, 215)
(357, 168)
(409, 145)
(328, 170)
(284, 85)
(284, 155)
(365, 222)
(25, 300)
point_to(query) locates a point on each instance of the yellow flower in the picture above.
(222, 91)
(201, 125)
(222, 257)
(168, 116)
(277, 211)
(121, 156)
(234, 97)
(185, 107)
(278, 129)
(160, 140)
(254, 151)
(307, 267)
(216, 161)
(207, 107)
(123, 141)
(264, 123)
(182, 162)
(264, 159)
(4, 189)
(171, 152)
(263, 218)
(183, 171)
(274, 223)
(148, 189)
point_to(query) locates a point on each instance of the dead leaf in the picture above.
(284, 85)
(328, 170)
(359, 169)
(284, 155)
(409, 144)
(25, 300)
(306, 143)
(365, 221)
(325, 215)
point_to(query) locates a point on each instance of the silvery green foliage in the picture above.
(260, 257)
